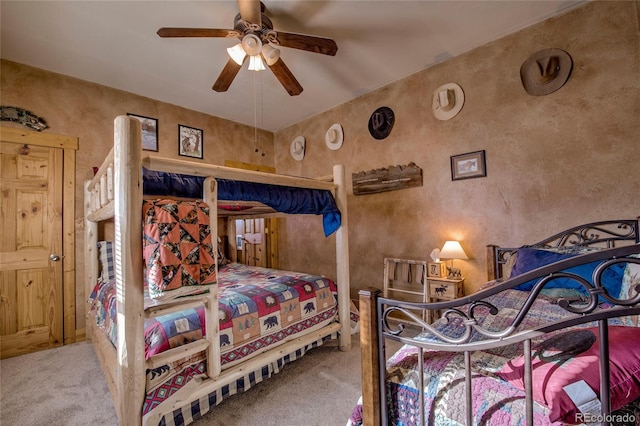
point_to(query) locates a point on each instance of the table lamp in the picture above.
(453, 250)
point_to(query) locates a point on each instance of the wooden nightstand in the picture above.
(406, 279)
(440, 289)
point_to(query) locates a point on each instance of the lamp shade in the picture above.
(255, 63)
(270, 54)
(237, 53)
(452, 250)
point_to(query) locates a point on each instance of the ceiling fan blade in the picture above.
(250, 10)
(226, 77)
(323, 45)
(196, 32)
(286, 78)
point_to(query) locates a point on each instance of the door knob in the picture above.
(54, 257)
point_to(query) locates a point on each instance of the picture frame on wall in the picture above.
(149, 131)
(469, 165)
(190, 141)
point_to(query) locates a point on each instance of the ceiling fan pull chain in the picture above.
(255, 113)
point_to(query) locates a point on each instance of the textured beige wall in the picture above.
(553, 161)
(86, 110)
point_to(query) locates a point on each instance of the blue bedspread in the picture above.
(284, 199)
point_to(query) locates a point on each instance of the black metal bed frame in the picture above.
(603, 234)
(606, 235)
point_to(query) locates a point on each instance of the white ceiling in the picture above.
(114, 43)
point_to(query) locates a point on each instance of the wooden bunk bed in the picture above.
(116, 193)
(527, 346)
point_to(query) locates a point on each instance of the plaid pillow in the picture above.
(106, 267)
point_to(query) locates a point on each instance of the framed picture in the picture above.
(149, 132)
(436, 269)
(190, 141)
(469, 165)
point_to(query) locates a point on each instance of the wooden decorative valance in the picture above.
(387, 179)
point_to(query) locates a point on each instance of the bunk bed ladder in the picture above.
(208, 300)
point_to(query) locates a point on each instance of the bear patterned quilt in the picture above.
(262, 306)
(258, 307)
(497, 395)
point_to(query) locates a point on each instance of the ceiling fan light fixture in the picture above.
(270, 54)
(251, 44)
(237, 53)
(255, 63)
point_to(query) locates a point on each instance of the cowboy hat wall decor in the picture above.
(297, 148)
(381, 122)
(334, 137)
(448, 100)
(546, 71)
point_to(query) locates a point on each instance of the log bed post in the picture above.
(369, 349)
(91, 258)
(210, 196)
(231, 239)
(128, 269)
(342, 258)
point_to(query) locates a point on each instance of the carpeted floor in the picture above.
(62, 386)
(65, 386)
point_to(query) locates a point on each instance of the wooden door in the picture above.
(254, 247)
(259, 242)
(31, 274)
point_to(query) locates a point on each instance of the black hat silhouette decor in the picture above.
(381, 122)
(545, 71)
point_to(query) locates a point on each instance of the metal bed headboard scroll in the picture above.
(603, 234)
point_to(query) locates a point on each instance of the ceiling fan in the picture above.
(259, 42)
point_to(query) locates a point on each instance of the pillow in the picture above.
(575, 250)
(507, 267)
(105, 261)
(631, 279)
(569, 294)
(177, 247)
(530, 259)
(222, 258)
(564, 367)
